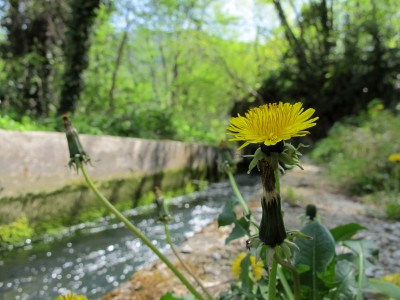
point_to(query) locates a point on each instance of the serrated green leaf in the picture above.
(345, 232)
(228, 215)
(241, 229)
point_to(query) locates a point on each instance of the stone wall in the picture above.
(36, 163)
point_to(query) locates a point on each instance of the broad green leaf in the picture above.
(241, 229)
(228, 215)
(318, 252)
(386, 288)
(317, 285)
(345, 232)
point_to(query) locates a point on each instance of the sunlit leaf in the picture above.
(345, 232)
(241, 229)
(228, 215)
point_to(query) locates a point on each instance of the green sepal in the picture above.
(258, 155)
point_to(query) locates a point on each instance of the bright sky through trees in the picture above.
(234, 20)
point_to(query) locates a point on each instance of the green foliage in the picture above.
(330, 264)
(16, 232)
(345, 232)
(26, 123)
(175, 72)
(228, 215)
(76, 48)
(334, 56)
(241, 229)
(393, 210)
(317, 253)
(356, 153)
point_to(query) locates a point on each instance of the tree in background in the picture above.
(76, 49)
(339, 57)
(175, 69)
(30, 55)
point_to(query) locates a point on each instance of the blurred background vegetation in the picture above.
(178, 69)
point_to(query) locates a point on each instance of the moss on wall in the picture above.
(74, 204)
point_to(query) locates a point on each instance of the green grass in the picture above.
(355, 155)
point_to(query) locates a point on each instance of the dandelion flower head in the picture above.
(71, 296)
(256, 267)
(271, 123)
(394, 157)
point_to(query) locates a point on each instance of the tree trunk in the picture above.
(76, 50)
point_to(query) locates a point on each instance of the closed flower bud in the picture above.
(311, 211)
(163, 214)
(272, 229)
(77, 154)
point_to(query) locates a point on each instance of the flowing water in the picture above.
(96, 257)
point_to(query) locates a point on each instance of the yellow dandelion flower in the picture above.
(71, 296)
(256, 267)
(392, 278)
(271, 123)
(394, 157)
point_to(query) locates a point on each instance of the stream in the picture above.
(94, 258)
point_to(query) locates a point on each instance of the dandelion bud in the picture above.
(77, 154)
(163, 214)
(311, 211)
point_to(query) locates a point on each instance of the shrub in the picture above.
(356, 152)
(15, 233)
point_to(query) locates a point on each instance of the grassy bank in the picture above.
(356, 156)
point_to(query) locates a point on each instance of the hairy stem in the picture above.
(285, 284)
(295, 274)
(272, 280)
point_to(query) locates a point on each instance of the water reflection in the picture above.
(96, 257)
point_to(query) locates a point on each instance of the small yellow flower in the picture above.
(271, 123)
(71, 296)
(256, 267)
(392, 278)
(394, 157)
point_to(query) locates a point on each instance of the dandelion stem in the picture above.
(295, 274)
(140, 235)
(169, 241)
(285, 284)
(238, 194)
(272, 280)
